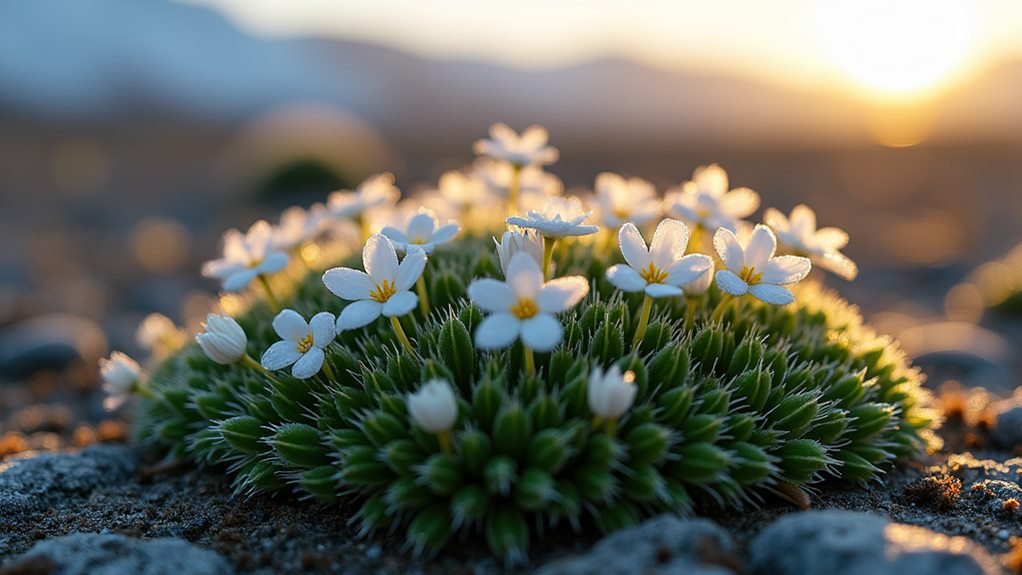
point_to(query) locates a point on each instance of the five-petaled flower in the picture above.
(422, 230)
(514, 241)
(560, 217)
(618, 200)
(121, 376)
(663, 268)
(298, 225)
(246, 256)
(754, 269)
(706, 202)
(301, 344)
(799, 234)
(530, 148)
(524, 306)
(384, 288)
(375, 192)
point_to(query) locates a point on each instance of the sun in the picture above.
(899, 51)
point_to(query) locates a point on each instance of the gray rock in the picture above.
(36, 482)
(103, 554)
(855, 543)
(664, 545)
(1007, 429)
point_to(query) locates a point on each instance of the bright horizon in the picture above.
(884, 50)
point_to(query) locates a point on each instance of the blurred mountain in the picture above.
(108, 58)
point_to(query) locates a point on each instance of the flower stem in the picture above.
(328, 370)
(718, 312)
(274, 302)
(548, 256)
(420, 286)
(695, 241)
(444, 439)
(396, 324)
(690, 310)
(529, 359)
(647, 307)
(363, 229)
(247, 361)
(513, 189)
(607, 425)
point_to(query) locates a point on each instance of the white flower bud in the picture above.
(120, 375)
(223, 340)
(158, 334)
(511, 243)
(434, 407)
(610, 392)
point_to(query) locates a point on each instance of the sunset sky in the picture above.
(886, 49)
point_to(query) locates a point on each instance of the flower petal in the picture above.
(839, 264)
(760, 248)
(497, 331)
(773, 294)
(491, 295)
(831, 238)
(542, 332)
(222, 268)
(785, 269)
(633, 247)
(239, 280)
(625, 278)
(421, 225)
(562, 294)
(445, 233)
(803, 220)
(347, 283)
(524, 275)
(410, 269)
(687, 269)
(729, 249)
(730, 283)
(280, 355)
(379, 258)
(309, 364)
(324, 328)
(358, 314)
(400, 303)
(273, 263)
(739, 203)
(394, 235)
(290, 325)
(776, 220)
(663, 290)
(669, 242)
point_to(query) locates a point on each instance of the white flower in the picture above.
(799, 234)
(461, 190)
(433, 407)
(384, 288)
(534, 184)
(619, 200)
(705, 200)
(512, 242)
(663, 268)
(754, 269)
(528, 149)
(610, 392)
(524, 306)
(298, 225)
(301, 343)
(375, 192)
(121, 375)
(158, 334)
(422, 230)
(698, 286)
(222, 339)
(559, 217)
(246, 256)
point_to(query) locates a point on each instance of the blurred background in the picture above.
(133, 132)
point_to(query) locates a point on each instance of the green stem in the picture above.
(513, 189)
(247, 361)
(609, 426)
(396, 324)
(328, 370)
(718, 312)
(690, 310)
(647, 307)
(529, 359)
(274, 302)
(444, 439)
(548, 256)
(420, 286)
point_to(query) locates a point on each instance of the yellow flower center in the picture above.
(525, 308)
(750, 275)
(703, 213)
(305, 344)
(622, 212)
(383, 291)
(254, 264)
(418, 241)
(653, 274)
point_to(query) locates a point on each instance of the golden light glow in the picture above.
(900, 50)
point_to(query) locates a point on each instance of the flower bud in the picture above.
(434, 407)
(610, 392)
(120, 375)
(511, 243)
(223, 340)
